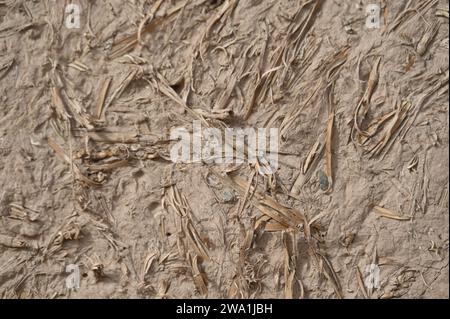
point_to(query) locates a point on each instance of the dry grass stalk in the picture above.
(290, 263)
(268, 224)
(69, 110)
(438, 82)
(365, 99)
(119, 90)
(240, 287)
(8, 31)
(148, 262)
(195, 240)
(164, 87)
(442, 13)
(296, 34)
(393, 129)
(426, 39)
(180, 205)
(177, 201)
(5, 66)
(128, 44)
(20, 212)
(246, 194)
(102, 97)
(361, 283)
(148, 19)
(287, 217)
(188, 238)
(329, 137)
(78, 113)
(163, 288)
(59, 105)
(228, 6)
(80, 66)
(408, 13)
(325, 265)
(266, 204)
(69, 231)
(385, 212)
(311, 161)
(76, 171)
(315, 151)
(114, 137)
(198, 276)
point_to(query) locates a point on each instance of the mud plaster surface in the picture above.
(110, 231)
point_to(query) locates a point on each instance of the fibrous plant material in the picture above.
(353, 100)
(385, 212)
(287, 217)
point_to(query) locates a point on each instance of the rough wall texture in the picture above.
(85, 170)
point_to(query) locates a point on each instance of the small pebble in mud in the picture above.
(323, 180)
(228, 196)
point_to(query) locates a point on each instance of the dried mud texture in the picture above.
(86, 177)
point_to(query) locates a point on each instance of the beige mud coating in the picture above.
(86, 177)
